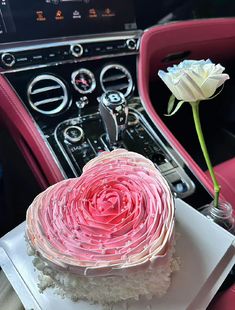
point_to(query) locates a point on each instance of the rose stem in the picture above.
(196, 117)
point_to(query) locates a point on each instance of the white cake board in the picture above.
(206, 251)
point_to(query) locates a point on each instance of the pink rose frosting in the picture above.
(119, 214)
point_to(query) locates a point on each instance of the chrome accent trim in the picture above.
(71, 139)
(134, 122)
(124, 71)
(179, 170)
(56, 42)
(75, 54)
(45, 101)
(140, 117)
(74, 121)
(6, 64)
(62, 62)
(110, 108)
(91, 75)
(118, 77)
(44, 89)
(117, 87)
(91, 146)
(53, 42)
(35, 105)
(103, 138)
(129, 43)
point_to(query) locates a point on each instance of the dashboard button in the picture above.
(83, 81)
(98, 49)
(76, 50)
(37, 57)
(121, 46)
(22, 60)
(65, 53)
(8, 59)
(109, 48)
(131, 44)
(52, 55)
(87, 51)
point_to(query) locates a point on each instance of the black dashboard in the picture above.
(32, 20)
(61, 57)
(41, 19)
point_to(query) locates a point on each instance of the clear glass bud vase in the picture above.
(223, 215)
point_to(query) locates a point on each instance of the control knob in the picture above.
(8, 59)
(131, 44)
(76, 50)
(73, 134)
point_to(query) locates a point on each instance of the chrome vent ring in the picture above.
(47, 94)
(116, 77)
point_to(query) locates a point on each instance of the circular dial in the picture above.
(83, 81)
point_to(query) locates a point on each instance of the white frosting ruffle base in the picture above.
(108, 290)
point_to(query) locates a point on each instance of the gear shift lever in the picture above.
(114, 111)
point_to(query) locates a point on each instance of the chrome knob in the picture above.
(76, 50)
(73, 134)
(81, 103)
(131, 44)
(8, 59)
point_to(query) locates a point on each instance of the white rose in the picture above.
(194, 80)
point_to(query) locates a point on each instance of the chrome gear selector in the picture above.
(114, 112)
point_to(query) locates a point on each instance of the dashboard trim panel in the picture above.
(57, 63)
(45, 43)
(26, 46)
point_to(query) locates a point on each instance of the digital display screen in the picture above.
(38, 19)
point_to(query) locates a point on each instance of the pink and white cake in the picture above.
(108, 235)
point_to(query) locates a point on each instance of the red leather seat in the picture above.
(202, 38)
(224, 300)
(225, 173)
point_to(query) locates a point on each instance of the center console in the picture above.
(63, 99)
(61, 82)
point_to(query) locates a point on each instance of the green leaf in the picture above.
(171, 103)
(179, 104)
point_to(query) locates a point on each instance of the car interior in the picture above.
(61, 64)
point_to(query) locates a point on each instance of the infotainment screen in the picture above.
(38, 19)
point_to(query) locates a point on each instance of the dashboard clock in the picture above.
(83, 81)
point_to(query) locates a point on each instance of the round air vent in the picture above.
(116, 77)
(47, 94)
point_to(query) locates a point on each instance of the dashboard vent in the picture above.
(116, 77)
(47, 94)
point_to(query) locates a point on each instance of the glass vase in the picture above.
(223, 215)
